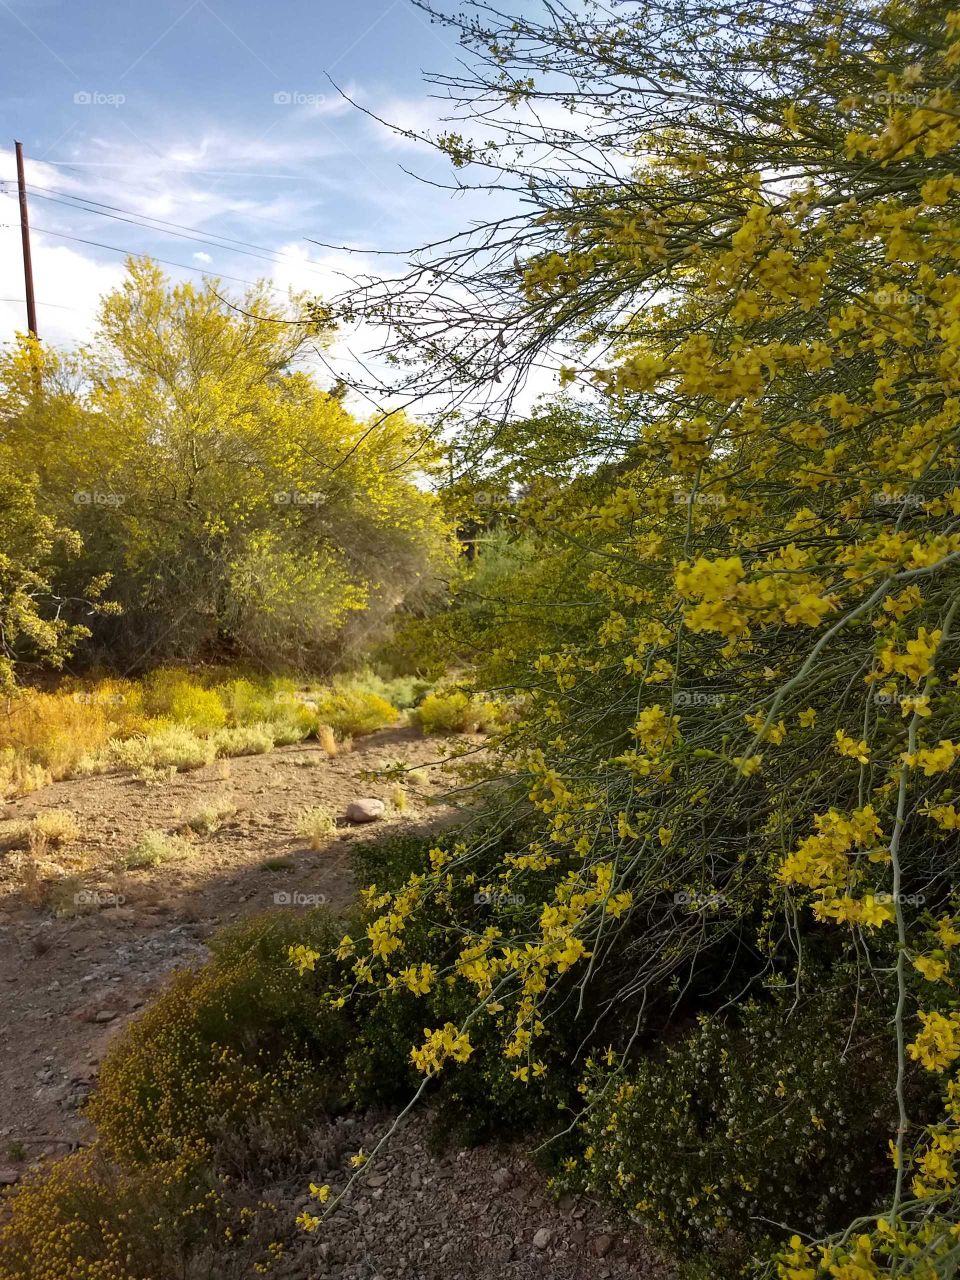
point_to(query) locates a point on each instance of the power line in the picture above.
(61, 306)
(128, 253)
(181, 230)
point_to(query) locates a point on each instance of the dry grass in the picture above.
(316, 825)
(154, 847)
(244, 740)
(328, 740)
(209, 817)
(56, 827)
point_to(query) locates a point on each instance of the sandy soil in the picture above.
(72, 974)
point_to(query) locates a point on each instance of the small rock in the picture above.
(105, 1015)
(502, 1179)
(602, 1245)
(365, 810)
(542, 1238)
(8, 1177)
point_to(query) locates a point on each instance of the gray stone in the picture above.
(366, 809)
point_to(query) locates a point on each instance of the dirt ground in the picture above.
(70, 981)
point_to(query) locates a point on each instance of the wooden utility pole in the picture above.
(25, 237)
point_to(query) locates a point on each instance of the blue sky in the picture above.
(217, 115)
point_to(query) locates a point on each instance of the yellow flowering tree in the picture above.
(738, 706)
(238, 507)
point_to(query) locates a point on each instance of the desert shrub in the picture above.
(19, 776)
(54, 730)
(174, 695)
(774, 1115)
(240, 1044)
(272, 704)
(154, 847)
(257, 551)
(290, 723)
(352, 713)
(327, 739)
(244, 740)
(207, 818)
(456, 711)
(56, 826)
(164, 747)
(85, 1219)
(401, 692)
(317, 825)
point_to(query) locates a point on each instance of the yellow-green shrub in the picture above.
(244, 740)
(177, 696)
(18, 776)
(456, 712)
(85, 1219)
(352, 712)
(169, 745)
(154, 847)
(54, 730)
(239, 1044)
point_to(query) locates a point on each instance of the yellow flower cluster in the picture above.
(440, 1046)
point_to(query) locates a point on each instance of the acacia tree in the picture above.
(737, 232)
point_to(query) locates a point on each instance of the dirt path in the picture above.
(69, 982)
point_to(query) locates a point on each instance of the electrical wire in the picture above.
(181, 230)
(128, 253)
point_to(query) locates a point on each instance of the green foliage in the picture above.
(169, 746)
(175, 695)
(401, 692)
(351, 713)
(195, 463)
(154, 847)
(240, 1045)
(456, 712)
(34, 627)
(245, 740)
(85, 1219)
(774, 1114)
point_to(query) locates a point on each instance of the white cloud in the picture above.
(202, 257)
(68, 283)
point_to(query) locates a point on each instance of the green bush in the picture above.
(176, 695)
(244, 740)
(456, 712)
(169, 746)
(243, 1043)
(85, 1219)
(351, 713)
(402, 692)
(781, 1116)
